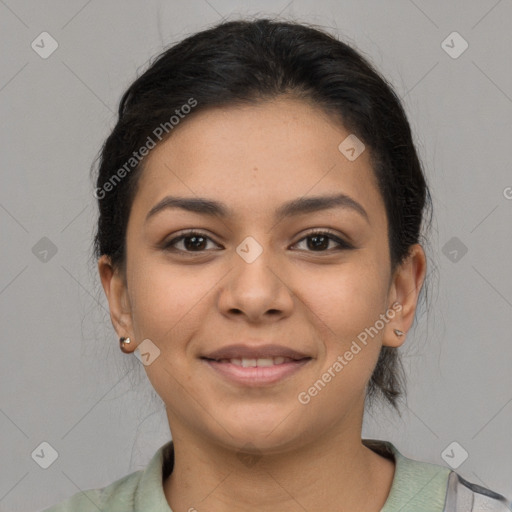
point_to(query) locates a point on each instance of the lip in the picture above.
(254, 352)
(218, 360)
(256, 375)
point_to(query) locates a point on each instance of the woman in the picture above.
(261, 204)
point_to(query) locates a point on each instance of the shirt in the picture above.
(417, 486)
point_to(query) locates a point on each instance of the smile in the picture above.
(261, 362)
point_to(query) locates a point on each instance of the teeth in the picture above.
(263, 361)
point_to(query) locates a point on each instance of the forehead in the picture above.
(254, 157)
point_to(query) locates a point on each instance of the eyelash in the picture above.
(342, 244)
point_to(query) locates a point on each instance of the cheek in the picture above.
(167, 304)
(164, 299)
(349, 301)
(348, 298)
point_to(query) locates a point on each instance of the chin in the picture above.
(269, 431)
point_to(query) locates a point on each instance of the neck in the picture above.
(335, 472)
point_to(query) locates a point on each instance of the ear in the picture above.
(404, 291)
(114, 285)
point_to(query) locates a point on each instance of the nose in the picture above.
(256, 290)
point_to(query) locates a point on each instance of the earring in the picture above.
(398, 332)
(123, 342)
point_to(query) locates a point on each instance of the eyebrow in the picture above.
(299, 206)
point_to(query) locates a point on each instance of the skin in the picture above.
(253, 159)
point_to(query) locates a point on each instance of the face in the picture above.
(265, 265)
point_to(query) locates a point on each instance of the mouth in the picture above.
(256, 366)
(260, 362)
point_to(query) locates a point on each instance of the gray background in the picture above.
(64, 380)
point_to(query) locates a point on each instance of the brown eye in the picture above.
(318, 241)
(193, 241)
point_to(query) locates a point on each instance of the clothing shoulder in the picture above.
(464, 496)
(119, 496)
(138, 491)
(417, 485)
(427, 487)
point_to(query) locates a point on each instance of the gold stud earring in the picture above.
(123, 342)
